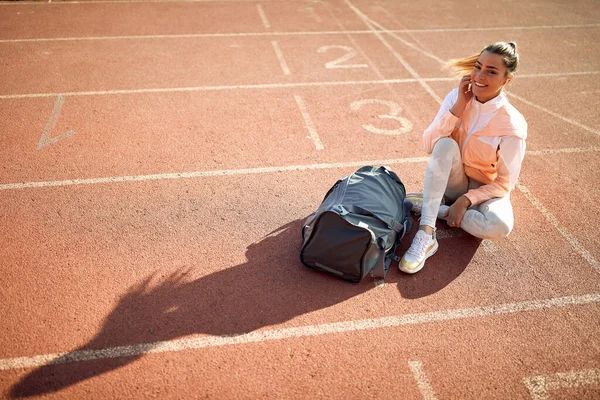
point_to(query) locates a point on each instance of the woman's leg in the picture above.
(492, 219)
(445, 175)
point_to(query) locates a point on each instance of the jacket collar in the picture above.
(490, 106)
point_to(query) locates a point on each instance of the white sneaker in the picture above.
(423, 246)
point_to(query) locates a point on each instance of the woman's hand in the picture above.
(464, 96)
(457, 211)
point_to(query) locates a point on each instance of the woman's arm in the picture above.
(448, 115)
(510, 158)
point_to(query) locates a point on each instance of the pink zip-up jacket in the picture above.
(491, 137)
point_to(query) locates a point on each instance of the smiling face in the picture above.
(488, 77)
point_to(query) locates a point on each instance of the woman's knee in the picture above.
(498, 228)
(445, 147)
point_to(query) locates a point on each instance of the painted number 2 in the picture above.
(338, 63)
(393, 113)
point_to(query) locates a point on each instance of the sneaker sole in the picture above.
(422, 264)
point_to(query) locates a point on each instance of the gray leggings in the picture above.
(445, 176)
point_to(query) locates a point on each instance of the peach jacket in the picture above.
(491, 138)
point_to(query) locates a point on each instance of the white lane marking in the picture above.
(45, 139)
(267, 86)
(398, 57)
(204, 174)
(185, 36)
(242, 34)
(563, 231)
(378, 282)
(540, 386)
(140, 1)
(279, 54)
(249, 171)
(561, 151)
(489, 246)
(215, 88)
(200, 342)
(313, 135)
(499, 28)
(441, 234)
(422, 382)
(263, 16)
(568, 120)
(558, 74)
(406, 42)
(449, 233)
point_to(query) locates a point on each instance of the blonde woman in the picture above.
(477, 144)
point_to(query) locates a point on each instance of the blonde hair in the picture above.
(508, 52)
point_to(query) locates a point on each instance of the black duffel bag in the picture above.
(358, 225)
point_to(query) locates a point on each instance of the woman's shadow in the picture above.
(456, 251)
(270, 288)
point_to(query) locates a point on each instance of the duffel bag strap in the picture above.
(383, 264)
(390, 222)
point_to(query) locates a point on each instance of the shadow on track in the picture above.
(451, 259)
(270, 288)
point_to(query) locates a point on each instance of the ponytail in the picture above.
(462, 66)
(508, 52)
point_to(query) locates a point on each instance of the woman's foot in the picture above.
(423, 246)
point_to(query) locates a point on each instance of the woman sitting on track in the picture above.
(477, 144)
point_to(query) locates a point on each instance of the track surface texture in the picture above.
(159, 158)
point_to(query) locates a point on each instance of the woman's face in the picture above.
(488, 76)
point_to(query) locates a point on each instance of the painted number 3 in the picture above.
(393, 113)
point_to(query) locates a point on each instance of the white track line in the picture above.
(279, 54)
(269, 86)
(216, 88)
(313, 135)
(450, 233)
(250, 171)
(558, 74)
(263, 16)
(251, 34)
(489, 246)
(137, 1)
(406, 42)
(540, 386)
(398, 57)
(563, 231)
(442, 234)
(424, 385)
(192, 343)
(203, 174)
(568, 120)
(561, 151)
(185, 36)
